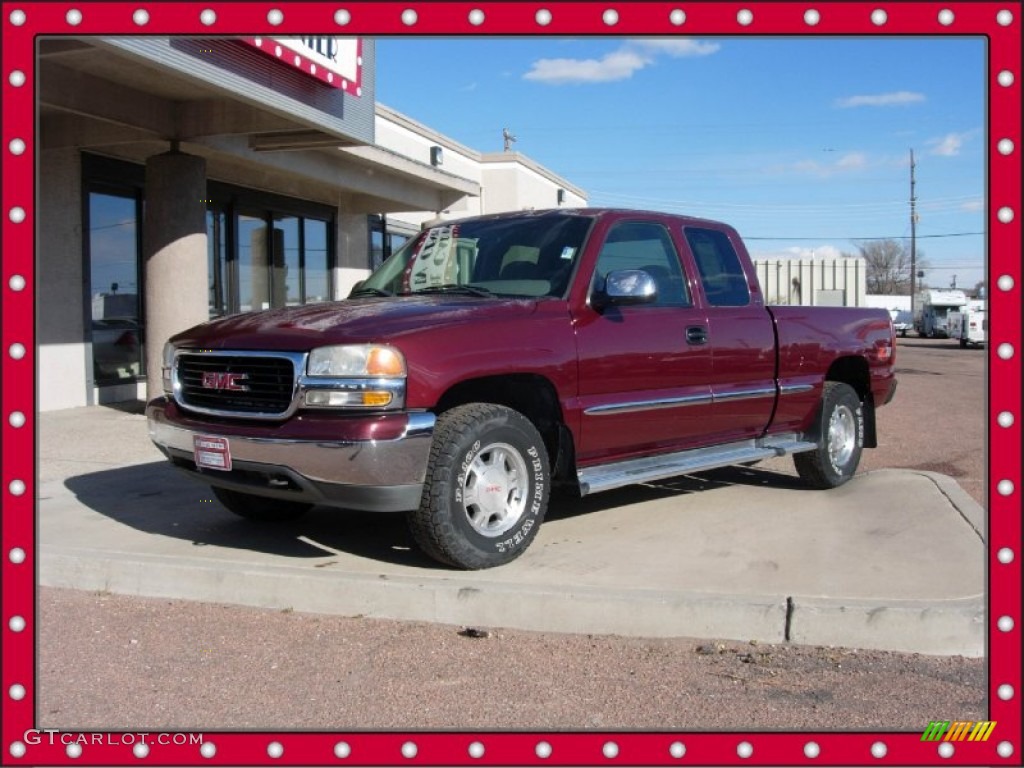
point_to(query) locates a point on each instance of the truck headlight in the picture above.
(166, 368)
(355, 376)
(371, 360)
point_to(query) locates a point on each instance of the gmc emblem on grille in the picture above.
(219, 380)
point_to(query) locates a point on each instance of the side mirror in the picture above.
(626, 287)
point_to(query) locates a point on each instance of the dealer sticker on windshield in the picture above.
(212, 452)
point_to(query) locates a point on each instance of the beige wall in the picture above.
(60, 311)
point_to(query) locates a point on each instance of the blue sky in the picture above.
(802, 144)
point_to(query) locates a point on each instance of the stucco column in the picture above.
(177, 280)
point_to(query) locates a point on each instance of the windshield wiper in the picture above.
(472, 290)
(368, 291)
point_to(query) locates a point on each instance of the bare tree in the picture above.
(888, 265)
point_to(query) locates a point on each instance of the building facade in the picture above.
(835, 281)
(184, 179)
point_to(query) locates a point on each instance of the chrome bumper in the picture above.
(369, 475)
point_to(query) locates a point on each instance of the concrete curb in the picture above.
(580, 610)
(946, 627)
(941, 627)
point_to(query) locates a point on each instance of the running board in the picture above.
(604, 477)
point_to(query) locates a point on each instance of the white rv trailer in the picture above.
(969, 325)
(932, 308)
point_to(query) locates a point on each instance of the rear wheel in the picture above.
(840, 429)
(486, 490)
(260, 508)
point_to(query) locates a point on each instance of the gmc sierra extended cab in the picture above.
(495, 359)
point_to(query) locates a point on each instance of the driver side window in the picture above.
(647, 246)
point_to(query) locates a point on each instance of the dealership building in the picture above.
(182, 179)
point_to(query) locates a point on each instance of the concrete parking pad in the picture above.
(894, 560)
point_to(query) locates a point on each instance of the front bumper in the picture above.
(351, 468)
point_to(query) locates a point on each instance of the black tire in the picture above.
(840, 430)
(963, 343)
(487, 487)
(261, 508)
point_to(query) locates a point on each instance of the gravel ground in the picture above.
(180, 666)
(183, 665)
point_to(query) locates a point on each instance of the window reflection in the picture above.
(253, 283)
(117, 349)
(316, 271)
(293, 268)
(286, 283)
(217, 250)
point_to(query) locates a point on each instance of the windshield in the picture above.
(529, 256)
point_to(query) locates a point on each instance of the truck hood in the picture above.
(348, 321)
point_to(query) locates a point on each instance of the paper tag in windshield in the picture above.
(435, 263)
(568, 252)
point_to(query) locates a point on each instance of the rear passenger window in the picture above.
(647, 246)
(725, 284)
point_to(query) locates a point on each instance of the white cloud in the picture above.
(973, 205)
(851, 161)
(895, 99)
(676, 47)
(620, 64)
(948, 146)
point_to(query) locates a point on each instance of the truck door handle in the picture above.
(696, 334)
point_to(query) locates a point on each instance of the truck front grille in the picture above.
(243, 384)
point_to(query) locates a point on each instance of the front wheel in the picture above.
(261, 508)
(840, 429)
(487, 487)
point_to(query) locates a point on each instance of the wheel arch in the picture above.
(530, 394)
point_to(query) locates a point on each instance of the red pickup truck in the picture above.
(494, 359)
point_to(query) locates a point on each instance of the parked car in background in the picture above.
(902, 322)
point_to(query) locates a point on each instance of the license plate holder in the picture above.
(212, 452)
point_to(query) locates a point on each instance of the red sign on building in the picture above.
(337, 61)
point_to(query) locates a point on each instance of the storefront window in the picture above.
(117, 347)
(217, 250)
(317, 265)
(253, 268)
(293, 269)
(286, 266)
(382, 242)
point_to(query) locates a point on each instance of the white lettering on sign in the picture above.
(337, 61)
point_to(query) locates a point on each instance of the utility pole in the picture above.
(913, 237)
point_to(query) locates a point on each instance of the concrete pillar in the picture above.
(64, 374)
(175, 248)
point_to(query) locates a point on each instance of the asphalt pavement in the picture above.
(893, 560)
